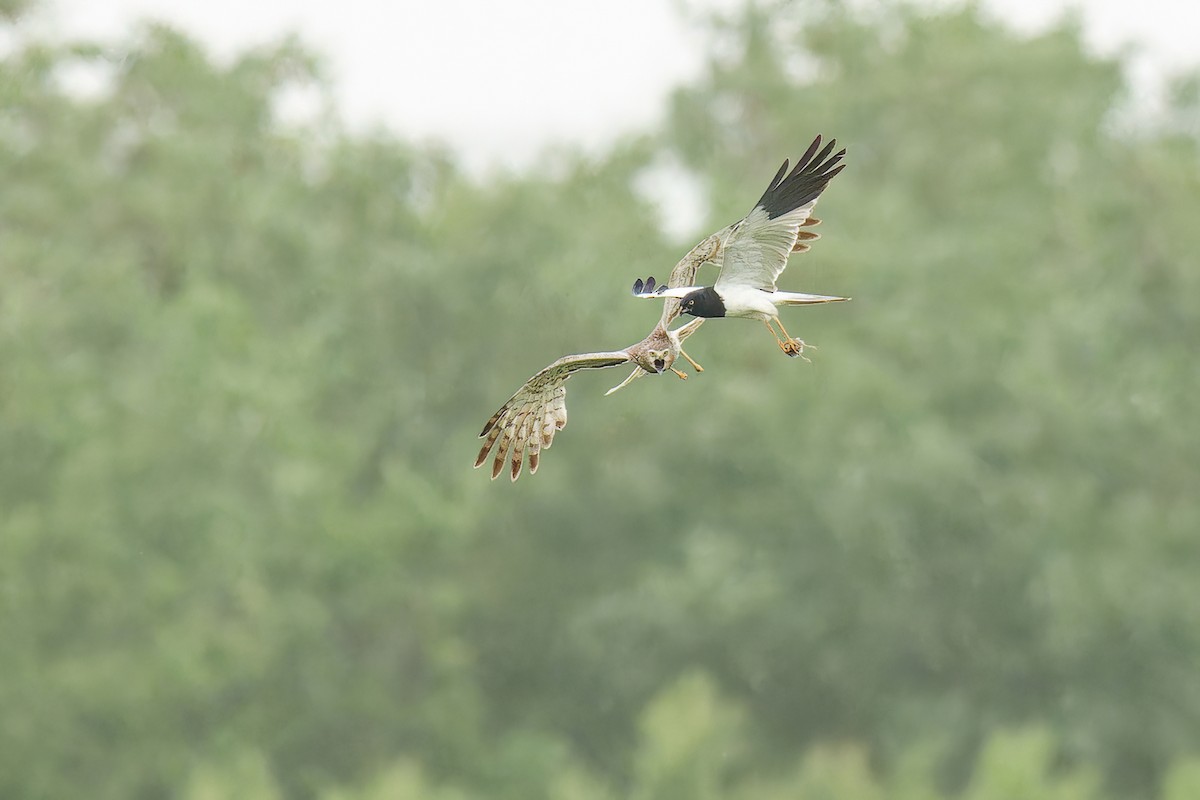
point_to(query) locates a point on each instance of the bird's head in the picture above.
(655, 360)
(661, 360)
(702, 303)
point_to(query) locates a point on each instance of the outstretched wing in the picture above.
(684, 274)
(679, 284)
(531, 417)
(756, 249)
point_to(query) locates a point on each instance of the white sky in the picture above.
(499, 79)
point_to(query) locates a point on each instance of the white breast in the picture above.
(749, 303)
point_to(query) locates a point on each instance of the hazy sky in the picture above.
(497, 80)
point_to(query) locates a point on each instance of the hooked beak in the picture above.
(659, 365)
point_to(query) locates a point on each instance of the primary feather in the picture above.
(756, 249)
(537, 411)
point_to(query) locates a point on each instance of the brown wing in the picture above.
(684, 273)
(536, 412)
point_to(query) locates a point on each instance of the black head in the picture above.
(702, 303)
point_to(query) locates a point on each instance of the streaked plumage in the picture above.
(527, 422)
(753, 252)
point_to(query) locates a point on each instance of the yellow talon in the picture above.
(695, 366)
(793, 347)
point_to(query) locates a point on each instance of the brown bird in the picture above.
(529, 419)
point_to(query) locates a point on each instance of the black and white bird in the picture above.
(528, 420)
(753, 252)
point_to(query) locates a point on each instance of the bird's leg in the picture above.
(793, 347)
(790, 346)
(695, 366)
(778, 341)
(682, 375)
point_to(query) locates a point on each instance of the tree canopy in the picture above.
(243, 362)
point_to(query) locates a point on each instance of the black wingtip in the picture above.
(805, 182)
(647, 286)
(802, 162)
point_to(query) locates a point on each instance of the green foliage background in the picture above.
(242, 365)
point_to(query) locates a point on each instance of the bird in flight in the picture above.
(753, 252)
(529, 419)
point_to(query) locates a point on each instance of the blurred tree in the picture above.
(242, 360)
(691, 745)
(981, 517)
(184, 535)
(12, 9)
